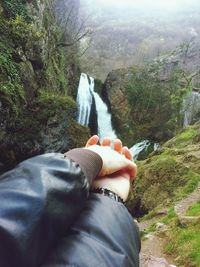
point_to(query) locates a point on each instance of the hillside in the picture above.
(167, 189)
(129, 35)
(38, 80)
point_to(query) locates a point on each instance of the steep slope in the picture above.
(167, 185)
(147, 102)
(38, 80)
(169, 174)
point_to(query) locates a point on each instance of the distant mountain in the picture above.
(126, 35)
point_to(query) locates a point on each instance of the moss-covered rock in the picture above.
(38, 79)
(47, 125)
(168, 174)
(146, 101)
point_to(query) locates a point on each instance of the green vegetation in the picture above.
(184, 138)
(155, 105)
(11, 88)
(184, 244)
(167, 175)
(164, 178)
(192, 179)
(37, 80)
(13, 8)
(23, 33)
(194, 210)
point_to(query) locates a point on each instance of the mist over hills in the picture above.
(127, 33)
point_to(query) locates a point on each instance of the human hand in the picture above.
(114, 160)
(118, 182)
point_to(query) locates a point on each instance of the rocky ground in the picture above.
(153, 244)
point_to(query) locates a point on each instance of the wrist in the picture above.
(89, 161)
(107, 192)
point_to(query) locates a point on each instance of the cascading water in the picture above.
(143, 146)
(139, 147)
(191, 107)
(84, 102)
(104, 119)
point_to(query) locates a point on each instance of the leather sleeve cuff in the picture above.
(89, 161)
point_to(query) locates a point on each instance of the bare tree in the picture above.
(66, 16)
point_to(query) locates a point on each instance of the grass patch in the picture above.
(183, 138)
(170, 216)
(193, 180)
(194, 210)
(184, 244)
(152, 227)
(149, 216)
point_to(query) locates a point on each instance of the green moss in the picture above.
(55, 73)
(8, 68)
(77, 134)
(158, 180)
(12, 96)
(194, 210)
(37, 113)
(11, 88)
(48, 119)
(182, 139)
(51, 104)
(192, 179)
(23, 33)
(13, 8)
(169, 175)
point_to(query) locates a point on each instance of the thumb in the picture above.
(130, 169)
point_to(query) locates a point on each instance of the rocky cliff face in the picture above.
(146, 101)
(38, 81)
(114, 94)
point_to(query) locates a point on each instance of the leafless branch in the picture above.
(75, 40)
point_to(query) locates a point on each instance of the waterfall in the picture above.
(104, 119)
(191, 107)
(84, 101)
(143, 146)
(85, 96)
(139, 147)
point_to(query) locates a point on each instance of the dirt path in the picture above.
(152, 251)
(182, 206)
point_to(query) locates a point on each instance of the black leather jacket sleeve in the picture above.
(104, 235)
(39, 200)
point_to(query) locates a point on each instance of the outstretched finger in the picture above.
(117, 145)
(127, 153)
(106, 141)
(92, 141)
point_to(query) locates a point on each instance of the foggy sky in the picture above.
(157, 5)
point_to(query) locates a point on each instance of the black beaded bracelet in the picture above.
(108, 193)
